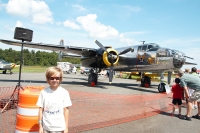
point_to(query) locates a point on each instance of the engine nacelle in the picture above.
(113, 55)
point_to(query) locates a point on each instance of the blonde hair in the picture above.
(52, 71)
(187, 70)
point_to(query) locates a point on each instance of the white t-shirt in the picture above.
(54, 103)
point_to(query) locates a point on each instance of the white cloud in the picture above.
(96, 29)
(18, 7)
(71, 24)
(19, 24)
(128, 40)
(37, 10)
(79, 7)
(2, 5)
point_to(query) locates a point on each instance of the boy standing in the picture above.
(53, 104)
(177, 96)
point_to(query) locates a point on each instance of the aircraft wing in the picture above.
(67, 49)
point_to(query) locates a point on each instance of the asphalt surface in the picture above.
(160, 123)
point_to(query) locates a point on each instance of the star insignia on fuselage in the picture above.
(141, 57)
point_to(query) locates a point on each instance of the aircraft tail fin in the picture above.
(60, 53)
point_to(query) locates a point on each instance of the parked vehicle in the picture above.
(86, 71)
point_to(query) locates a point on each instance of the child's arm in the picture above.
(66, 115)
(40, 114)
(172, 89)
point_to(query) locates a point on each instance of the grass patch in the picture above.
(30, 69)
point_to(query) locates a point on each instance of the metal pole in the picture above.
(20, 67)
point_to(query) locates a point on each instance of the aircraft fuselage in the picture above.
(146, 57)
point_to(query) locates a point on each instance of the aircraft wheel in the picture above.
(4, 72)
(92, 78)
(145, 80)
(11, 73)
(161, 87)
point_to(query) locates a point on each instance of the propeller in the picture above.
(125, 51)
(100, 45)
(111, 58)
(189, 57)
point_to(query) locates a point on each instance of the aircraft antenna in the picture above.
(142, 42)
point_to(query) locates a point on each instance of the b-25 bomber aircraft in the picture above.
(7, 66)
(149, 57)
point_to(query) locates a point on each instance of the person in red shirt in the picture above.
(177, 96)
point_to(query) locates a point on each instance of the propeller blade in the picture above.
(125, 51)
(100, 45)
(189, 63)
(189, 57)
(110, 74)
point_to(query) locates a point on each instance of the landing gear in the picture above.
(92, 77)
(145, 81)
(4, 72)
(161, 87)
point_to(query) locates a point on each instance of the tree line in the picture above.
(34, 58)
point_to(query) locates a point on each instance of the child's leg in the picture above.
(195, 104)
(173, 109)
(179, 109)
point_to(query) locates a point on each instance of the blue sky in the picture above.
(170, 23)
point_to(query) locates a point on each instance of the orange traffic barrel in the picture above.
(27, 111)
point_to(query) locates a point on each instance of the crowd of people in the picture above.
(189, 83)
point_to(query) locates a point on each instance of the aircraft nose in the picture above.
(178, 59)
(13, 65)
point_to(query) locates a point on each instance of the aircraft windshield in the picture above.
(149, 47)
(153, 47)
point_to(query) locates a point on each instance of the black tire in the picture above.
(161, 87)
(145, 80)
(92, 77)
(4, 72)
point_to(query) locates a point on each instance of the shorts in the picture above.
(190, 91)
(45, 131)
(195, 96)
(177, 101)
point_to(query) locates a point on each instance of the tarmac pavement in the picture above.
(159, 122)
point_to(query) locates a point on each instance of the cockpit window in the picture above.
(144, 48)
(162, 52)
(149, 47)
(153, 47)
(140, 48)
